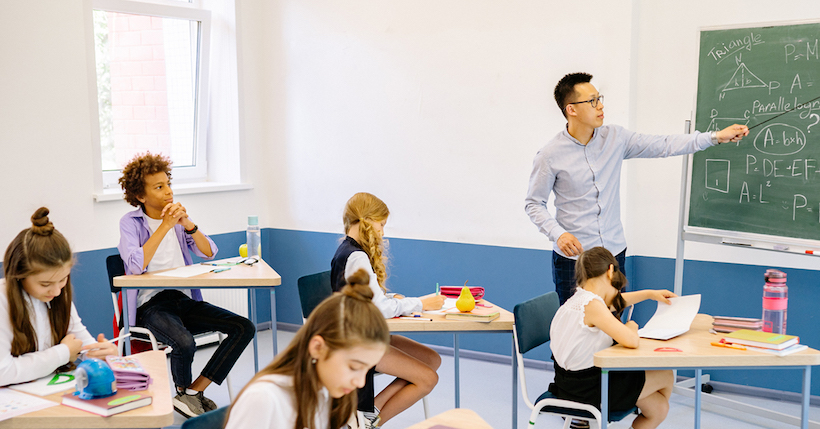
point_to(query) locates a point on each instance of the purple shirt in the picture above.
(134, 233)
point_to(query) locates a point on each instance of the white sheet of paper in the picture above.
(671, 320)
(448, 304)
(13, 403)
(41, 387)
(187, 271)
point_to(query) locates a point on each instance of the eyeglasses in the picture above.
(592, 102)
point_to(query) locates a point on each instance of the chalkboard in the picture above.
(768, 184)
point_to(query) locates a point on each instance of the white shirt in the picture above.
(270, 402)
(389, 306)
(168, 255)
(573, 342)
(48, 356)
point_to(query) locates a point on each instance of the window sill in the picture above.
(179, 189)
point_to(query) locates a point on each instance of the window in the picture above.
(151, 63)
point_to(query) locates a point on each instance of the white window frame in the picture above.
(105, 183)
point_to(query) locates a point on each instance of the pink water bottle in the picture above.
(775, 302)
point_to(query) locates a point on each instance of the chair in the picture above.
(532, 329)
(116, 267)
(211, 420)
(313, 289)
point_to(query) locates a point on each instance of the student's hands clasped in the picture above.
(173, 213)
(101, 348)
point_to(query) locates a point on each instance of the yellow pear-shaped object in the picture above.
(465, 301)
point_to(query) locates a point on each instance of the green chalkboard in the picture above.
(769, 183)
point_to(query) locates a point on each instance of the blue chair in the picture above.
(211, 420)
(532, 329)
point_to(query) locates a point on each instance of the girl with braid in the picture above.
(413, 364)
(40, 330)
(587, 323)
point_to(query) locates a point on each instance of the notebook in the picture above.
(120, 402)
(478, 314)
(671, 320)
(50, 384)
(766, 340)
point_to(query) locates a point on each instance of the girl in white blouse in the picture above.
(585, 324)
(312, 384)
(40, 330)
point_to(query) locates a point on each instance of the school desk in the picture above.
(159, 414)
(250, 277)
(698, 354)
(440, 325)
(459, 418)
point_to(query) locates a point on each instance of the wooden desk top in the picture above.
(159, 414)
(459, 418)
(239, 276)
(440, 324)
(696, 353)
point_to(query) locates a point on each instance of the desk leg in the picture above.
(804, 412)
(273, 320)
(455, 364)
(252, 313)
(125, 325)
(514, 388)
(604, 398)
(698, 373)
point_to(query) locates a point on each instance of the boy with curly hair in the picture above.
(159, 235)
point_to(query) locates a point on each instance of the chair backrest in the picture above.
(116, 267)
(313, 289)
(533, 319)
(211, 420)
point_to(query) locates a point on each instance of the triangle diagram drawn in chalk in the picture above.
(744, 78)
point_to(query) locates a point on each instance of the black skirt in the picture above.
(585, 386)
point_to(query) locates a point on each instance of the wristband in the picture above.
(714, 136)
(195, 229)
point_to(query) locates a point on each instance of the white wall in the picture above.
(665, 67)
(45, 134)
(438, 107)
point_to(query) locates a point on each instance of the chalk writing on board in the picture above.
(769, 182)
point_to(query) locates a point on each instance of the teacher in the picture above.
(582, 166)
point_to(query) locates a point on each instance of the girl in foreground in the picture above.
(312, 384)
(414, 365)
(585, 325)
(40, 330)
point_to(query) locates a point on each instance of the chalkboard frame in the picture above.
(730, 237)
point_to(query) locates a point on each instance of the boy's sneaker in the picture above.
(371, 420)
(579, 424)
(188, 405)
(207, 404)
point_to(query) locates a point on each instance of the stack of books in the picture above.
(726, 324)
(765, 342)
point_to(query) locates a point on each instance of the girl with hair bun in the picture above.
(588, 322)
(312, 384)
(413, 364)
(40, 330)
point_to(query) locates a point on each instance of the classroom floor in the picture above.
(485, 388)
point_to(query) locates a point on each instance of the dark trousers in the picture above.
(563, 274)
(174, 318)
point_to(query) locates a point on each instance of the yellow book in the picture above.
(766, 340)
(478, 314)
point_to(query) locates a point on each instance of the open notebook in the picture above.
(671, 320)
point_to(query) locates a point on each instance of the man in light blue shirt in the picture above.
(582, 166)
